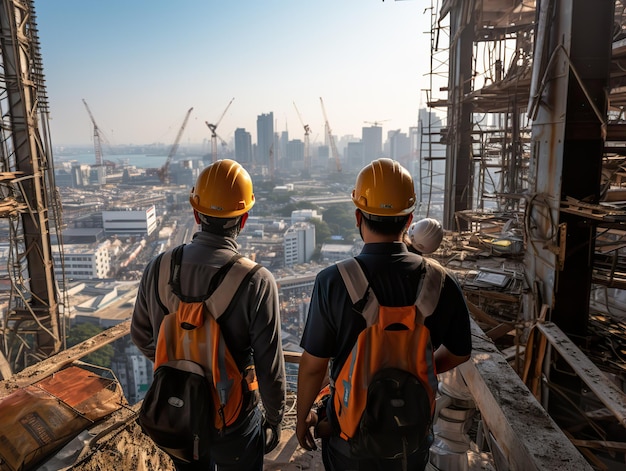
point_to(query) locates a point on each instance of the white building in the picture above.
(299, 243)
(82, 262)
(130, 221)
(303, 215)
(337, 252)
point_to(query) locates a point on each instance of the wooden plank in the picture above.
(605, 390)
(480, 315)
(527, 435)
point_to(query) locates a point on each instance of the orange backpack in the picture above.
(191, 347)
(384, 394)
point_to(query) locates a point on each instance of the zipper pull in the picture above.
(196, 447)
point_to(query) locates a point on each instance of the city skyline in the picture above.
(141, 71)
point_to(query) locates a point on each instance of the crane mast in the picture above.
(213, 129)
(307, 131)
(331, 139)
(97, 142)
(164, 171)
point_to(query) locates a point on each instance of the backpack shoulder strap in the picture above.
(358, 287)
(239, 273)
(431, 284)
(163, 293)
(216, 279)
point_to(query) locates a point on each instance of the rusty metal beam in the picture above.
(46, 367)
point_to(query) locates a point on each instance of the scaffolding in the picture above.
(30, 209)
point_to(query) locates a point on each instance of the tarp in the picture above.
(38, 419)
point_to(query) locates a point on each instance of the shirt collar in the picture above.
(213, 240)
(384, 248)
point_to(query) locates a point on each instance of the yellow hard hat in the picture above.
(223, 190)
(384, 188)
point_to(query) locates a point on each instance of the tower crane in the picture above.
(307, 131)
(331, 139)
(97, 136)
(213, 128)
(164, 171)
(376, 123)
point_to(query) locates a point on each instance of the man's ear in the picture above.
(358, 215)
(244, 218)
(409, 221)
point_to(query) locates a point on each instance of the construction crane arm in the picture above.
(306, 127)
(331, 138)
(307, 131)
(213, 129)
(97, 136)
(164, 171)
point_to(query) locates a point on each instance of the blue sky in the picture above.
(141, 64)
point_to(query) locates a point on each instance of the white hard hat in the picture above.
(426, 235)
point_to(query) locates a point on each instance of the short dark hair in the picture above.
(385, 225)
(225, 227)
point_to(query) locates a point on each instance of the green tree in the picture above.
(340, 220)
(322, 232)
(78, 333)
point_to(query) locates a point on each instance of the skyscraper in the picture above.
(265, 137)
(372, 143)
(243, 146)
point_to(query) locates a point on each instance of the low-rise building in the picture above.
(137, 222)
(299, 243)
(82, 261)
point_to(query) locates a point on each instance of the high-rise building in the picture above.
(399, 147)
(284, 139)
(265, 137)
(295, 154)
(372, 138)
(243, 146)
(354, 156)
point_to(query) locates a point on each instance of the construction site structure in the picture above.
(534, 207)
(30, 210)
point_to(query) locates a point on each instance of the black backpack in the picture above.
(396, 418)
(177, 409)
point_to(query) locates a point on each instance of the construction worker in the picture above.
(221, 199)
(384, 198)
(424, 236)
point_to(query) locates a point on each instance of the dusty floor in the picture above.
(120, 445)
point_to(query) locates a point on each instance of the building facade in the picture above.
(243, 146)
(82, 262)
(299, 243)
(130, 222)
(265, 137)
(372, 143)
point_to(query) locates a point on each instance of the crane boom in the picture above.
(213, 128)
(164, 170)
(331, 139)
(97, 143)
(307, 131)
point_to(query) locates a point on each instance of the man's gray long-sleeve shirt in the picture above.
(250, 324)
